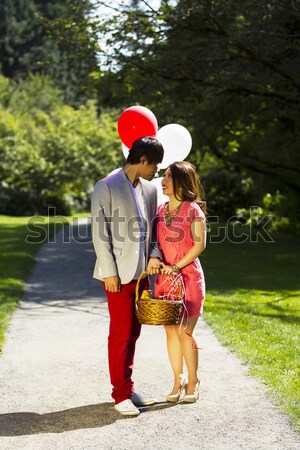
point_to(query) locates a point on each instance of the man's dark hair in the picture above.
(146, 146)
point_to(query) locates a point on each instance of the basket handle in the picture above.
(137, 287)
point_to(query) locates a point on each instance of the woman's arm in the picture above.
(198, 228)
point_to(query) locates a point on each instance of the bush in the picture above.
(51, 154)
(271, 214)
(226, 191)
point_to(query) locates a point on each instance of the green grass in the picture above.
(253, 305)
(16, 261)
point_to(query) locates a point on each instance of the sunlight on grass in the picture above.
(253, 306)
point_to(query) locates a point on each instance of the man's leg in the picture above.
(123, 332)
(136, 328)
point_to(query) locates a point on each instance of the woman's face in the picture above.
(167, 183)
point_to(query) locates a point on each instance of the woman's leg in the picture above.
(190, 352)
(175, 355)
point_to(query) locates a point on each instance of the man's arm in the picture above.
(154, 250)
(101, 230)
(155, 255)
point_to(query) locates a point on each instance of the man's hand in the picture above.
(153, 265)
(112, 284)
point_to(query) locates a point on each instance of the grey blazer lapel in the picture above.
(127, 194)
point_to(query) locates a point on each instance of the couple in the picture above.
(124, 206)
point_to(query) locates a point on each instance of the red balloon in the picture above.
(136, 122)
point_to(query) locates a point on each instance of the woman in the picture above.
(181, 233)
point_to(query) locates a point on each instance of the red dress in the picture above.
(175, 241)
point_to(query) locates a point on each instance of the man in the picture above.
(123, 208)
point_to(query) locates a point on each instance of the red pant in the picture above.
(124, 331)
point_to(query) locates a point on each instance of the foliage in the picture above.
(227, 71)
(269, 215)
(31, 42)
(51, 154)
(194, 63)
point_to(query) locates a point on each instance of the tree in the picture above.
(227, 71)
(44, 37)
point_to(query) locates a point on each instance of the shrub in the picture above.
(51, 154)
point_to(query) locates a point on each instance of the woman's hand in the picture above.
(164, 268)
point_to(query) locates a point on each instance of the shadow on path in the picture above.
(82, 417)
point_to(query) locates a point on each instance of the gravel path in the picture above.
(54, 384)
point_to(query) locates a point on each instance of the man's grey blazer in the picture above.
(115, 226)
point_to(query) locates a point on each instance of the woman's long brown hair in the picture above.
(186, 185)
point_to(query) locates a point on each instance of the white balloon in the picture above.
(125, 150)
(161, 197)
(176, 141)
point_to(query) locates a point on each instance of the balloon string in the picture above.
(185, 312)
(193, 344)
(173, 290)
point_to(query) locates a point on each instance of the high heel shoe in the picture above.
(174, 398)
(192, 398)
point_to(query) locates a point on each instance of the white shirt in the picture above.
(140, 198)
(141, 207)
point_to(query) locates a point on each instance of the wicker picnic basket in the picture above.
(157, 311)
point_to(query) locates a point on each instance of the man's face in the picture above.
(148, 170)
